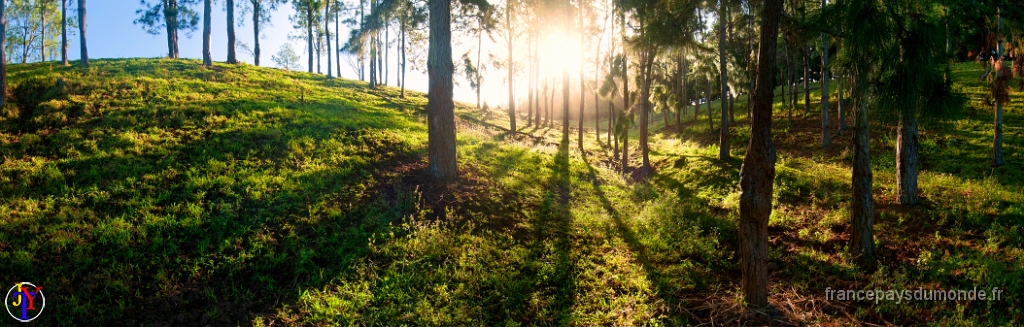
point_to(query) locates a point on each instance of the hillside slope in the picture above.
(156, 192)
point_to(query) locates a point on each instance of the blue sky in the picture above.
(112, 34)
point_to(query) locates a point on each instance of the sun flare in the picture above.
(560, 50)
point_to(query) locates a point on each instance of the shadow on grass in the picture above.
(215, 229)
(557, 223)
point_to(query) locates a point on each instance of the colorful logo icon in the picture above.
(25, 301)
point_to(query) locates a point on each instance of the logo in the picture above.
(25, 301)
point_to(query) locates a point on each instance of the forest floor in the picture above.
(156, 192)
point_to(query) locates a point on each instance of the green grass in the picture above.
(154, 191)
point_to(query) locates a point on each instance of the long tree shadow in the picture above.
(213, 229)
(558, 225)
(654, 273)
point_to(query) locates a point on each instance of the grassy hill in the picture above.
(156, 192)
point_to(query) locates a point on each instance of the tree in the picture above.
(207, 29)
(44, 8)
(63, 34)
(758, 172)
(305, 17)
(890, 51)
(172, 16)
(511, 28)
(441, 156)
(327, 36)
(260, 10)
(826, 136)
(81, 36)
(472, 22)
(723, 139)
(581, 28)
(229, 6)
(642, 42)
(286, 58)
(1000, 93)
(3, 52)
(28, 27)
(598, 65)
(411, 17)
(567, 9)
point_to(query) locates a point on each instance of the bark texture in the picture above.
(309, 33)
(327, 38)
(207, 57)
(256, 32)
(232, 56)
(907, 149)
(440, 106)
(723, 134)
(758, 171)
(826, 136)
(63, 33)
(81, 37)
(3, 50)
(862, 211)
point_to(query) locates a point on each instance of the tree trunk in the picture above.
(696, 107)
(63, 33)
(256, 32)
(528, 62)
(758, 171)
(711, 120)
(788, 81)
(723, 134)
(611, 99)
(442, 163)
(337, 44)
(862, 243)
(387, 48)
(627, 106)
(565, 93)
(404, 59)
(565, 106)
(614, 140)
(380, 61)
(3, 47)
(536, 76)
(625, 149)
(230, 7)
(174, 32)
(842, 105)
(362, 56)
(826, 134)
(807, 80)
(81, 39)
(171, 26)
(665, 112)
(680, 99)
(582, 101)
(793, 87)
(479, 44)
(207, 30)
(997, 138)
(25, 45)
(646, 62)
(907, 148)
(309, 34)
(42, 32)
(327, 37)
(511, 98)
